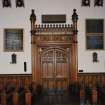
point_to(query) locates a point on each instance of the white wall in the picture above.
(19, 18)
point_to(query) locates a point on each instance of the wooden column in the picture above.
(74, 62)
(74, 47)
(33, 45)
(34, 62)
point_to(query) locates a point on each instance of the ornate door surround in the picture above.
(54, 39)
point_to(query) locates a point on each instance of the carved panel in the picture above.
(55, 38)
(91, 78)
(54, 67)
(53, 29)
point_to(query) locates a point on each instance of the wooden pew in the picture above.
(88, 93)
(101, 94)
(36, 92)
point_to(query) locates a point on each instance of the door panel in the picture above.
(54, 68)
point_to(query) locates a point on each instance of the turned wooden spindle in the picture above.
(28, 98)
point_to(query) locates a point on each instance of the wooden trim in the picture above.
(92, 74)
(15, 75)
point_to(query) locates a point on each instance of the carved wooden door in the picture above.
(55, 68)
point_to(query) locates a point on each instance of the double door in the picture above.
(54, 66)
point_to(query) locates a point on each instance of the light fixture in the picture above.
(13, 58)
(95, 57)
(86, 3)
(6, 3)
(19, 3)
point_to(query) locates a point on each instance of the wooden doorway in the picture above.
(54, 66)
(54, 53)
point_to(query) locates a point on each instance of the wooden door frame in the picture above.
(35, 63)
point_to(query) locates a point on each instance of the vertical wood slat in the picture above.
(91, 78)
(15, 98)
(3, 98)
(28, 98)
(82, 96)
(94, 96)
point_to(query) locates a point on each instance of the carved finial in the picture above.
(74, 19)
(74, 16)
(33, 20)
(33, 16)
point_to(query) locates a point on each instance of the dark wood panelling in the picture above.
(92, 78)
(84, 79)
(25, 79)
